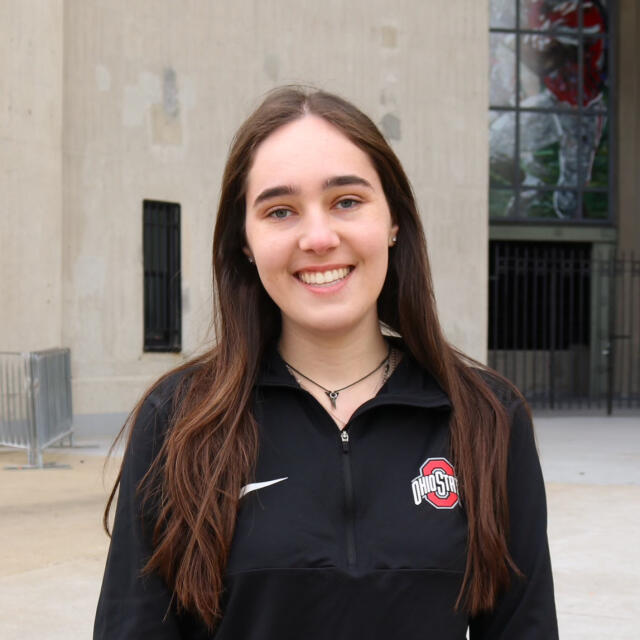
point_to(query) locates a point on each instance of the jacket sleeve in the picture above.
(131, 605)
(526, 611)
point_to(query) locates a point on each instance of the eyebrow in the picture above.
(341, 181)
(288, 190)
(274, 192)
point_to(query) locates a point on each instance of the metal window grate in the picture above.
(162, 285)
(539, 295)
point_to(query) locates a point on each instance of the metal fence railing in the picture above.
(564, 324)
(35, 400)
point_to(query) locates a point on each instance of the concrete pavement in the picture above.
(592, 471)
(53, 548)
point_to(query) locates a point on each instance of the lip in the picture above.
(325, 267)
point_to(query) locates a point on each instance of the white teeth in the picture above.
(323, 277)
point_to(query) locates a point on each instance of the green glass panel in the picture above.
(501, 203)
(548, 148)
(596, 206)
(596, 151)
(549, 205)
(502, 142)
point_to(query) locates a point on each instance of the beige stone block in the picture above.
(30, 247)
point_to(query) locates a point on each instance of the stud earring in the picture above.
(250, 259)
(393, 241)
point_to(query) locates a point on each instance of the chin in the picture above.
(328, 324)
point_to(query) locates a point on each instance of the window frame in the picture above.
(162, 287)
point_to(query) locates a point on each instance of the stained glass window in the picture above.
(549, 114)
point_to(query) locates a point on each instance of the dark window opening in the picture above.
(539, 295)
(162, 284)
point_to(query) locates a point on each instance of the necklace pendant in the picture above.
(333, 396)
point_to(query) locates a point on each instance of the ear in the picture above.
(393, 234)
(247, 252)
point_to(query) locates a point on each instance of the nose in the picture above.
(318, 234)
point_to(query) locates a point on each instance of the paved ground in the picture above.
(53, 548)
(592, 469)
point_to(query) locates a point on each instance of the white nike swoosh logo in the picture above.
(258, 485)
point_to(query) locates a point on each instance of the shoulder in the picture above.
(165, 394)
(153, 416)
(521, 432)
(505, 391)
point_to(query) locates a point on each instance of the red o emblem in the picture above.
(437, 484)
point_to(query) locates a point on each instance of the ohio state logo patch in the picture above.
(437, 484)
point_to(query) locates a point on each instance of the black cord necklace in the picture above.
(334, 393)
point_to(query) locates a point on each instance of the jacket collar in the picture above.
(410, 384)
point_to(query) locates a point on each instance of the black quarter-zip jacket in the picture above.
(349, 534)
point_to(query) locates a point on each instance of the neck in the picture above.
(333, 360)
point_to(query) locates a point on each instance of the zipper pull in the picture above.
(344, 436)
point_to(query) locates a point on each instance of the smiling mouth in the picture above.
(324, 277)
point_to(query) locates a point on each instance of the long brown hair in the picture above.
(212, 445)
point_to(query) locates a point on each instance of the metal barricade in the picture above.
(35, 400)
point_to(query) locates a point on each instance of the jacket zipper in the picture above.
(349, 501)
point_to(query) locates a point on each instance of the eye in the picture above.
(347, 203)
(279, 214)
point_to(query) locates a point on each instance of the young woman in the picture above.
(332, 468)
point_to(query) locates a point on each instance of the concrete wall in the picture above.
(629, 126)
(153, 92)
(31, 44)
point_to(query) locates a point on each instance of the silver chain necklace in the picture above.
(333, 394)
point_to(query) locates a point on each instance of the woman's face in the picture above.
(318, 227)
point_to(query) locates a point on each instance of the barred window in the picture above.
(539, 295)
(162, 298)
(549, 117)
